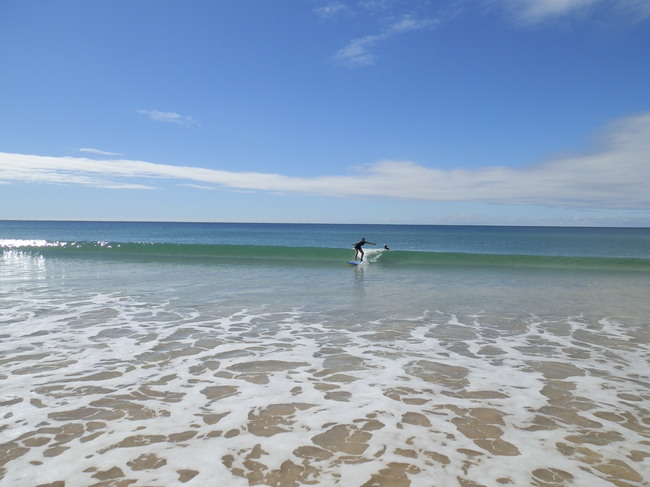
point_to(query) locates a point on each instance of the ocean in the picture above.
(222, 354)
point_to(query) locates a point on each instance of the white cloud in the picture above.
(639, 8)
(615, 175)
(331, 9)
(362, 51)
(536, 11)
(98, 152)
(359, 52)
(542, 9)
(199, 186)
(167, 117)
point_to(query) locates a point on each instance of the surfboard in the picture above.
(355, 262)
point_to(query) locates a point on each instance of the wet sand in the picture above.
(108, 390)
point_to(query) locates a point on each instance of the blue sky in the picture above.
(522, 112)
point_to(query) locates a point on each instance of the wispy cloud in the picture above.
(98, 152)
(167, 117)
(360, 52)
(363, 50)
(537, 11)
(614, 175)
(331, 9)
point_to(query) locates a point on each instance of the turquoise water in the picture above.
(252, 354)
(553, 241)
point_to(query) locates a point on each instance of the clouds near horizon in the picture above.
(384, 110)
(613, 175)
(98, 152)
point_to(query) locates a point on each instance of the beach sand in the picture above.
(108, 390)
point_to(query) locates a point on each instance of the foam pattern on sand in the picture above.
(110, 389)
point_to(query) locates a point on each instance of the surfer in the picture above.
(358, 250)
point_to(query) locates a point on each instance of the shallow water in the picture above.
(160, 374)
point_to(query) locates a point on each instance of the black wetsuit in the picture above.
(358, 249)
